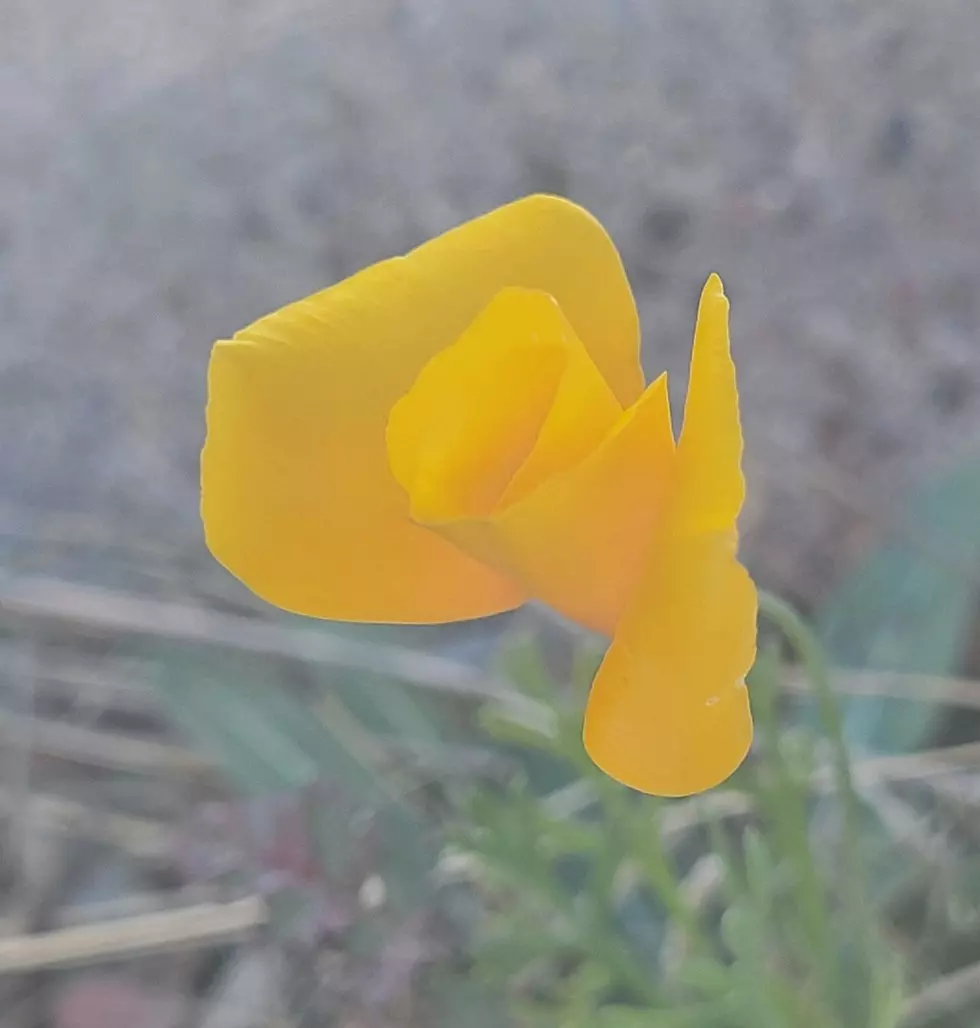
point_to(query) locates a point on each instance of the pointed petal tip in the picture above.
(714, 287)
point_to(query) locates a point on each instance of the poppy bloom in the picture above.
(448, 434)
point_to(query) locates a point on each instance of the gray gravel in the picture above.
(169, 171)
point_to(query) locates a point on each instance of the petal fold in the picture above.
(513, 401)
(298, 499)
(669, 712)
(580, 541)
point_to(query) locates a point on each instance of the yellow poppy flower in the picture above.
(447, 434)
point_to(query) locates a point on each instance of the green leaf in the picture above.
(267, 740)
(256, 754)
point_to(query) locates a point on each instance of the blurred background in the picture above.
(183, 844)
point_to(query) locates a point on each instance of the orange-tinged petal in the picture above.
(669, 712)
(298, 499)
(514, 400)
(511, 445)
(579, 542)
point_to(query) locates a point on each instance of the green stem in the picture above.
(811, 656)
(810, 653)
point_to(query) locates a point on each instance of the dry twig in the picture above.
(101, 612)
(205, 924)
(112, 750)
(140, 837)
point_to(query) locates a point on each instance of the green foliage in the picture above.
(612, 909)
(576, 902)
(269, 739)
(908, 606)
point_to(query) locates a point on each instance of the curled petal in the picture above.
(514, 400)
(298, 499)
(512, 446)
(668, 713)
(579, 542)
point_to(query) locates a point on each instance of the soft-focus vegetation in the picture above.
(414, 836)
(750, 905)
(820, 886)
(268, 823)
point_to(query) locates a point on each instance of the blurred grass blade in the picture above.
(908, 607)
(257, 731)
(255, 754)
(266, 740)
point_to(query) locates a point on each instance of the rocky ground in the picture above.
(168, 171)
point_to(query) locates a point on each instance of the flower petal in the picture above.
(297, 496)
(579, 541)
(515, 399)
(511, 445)
(668, 713)
(710, 488)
